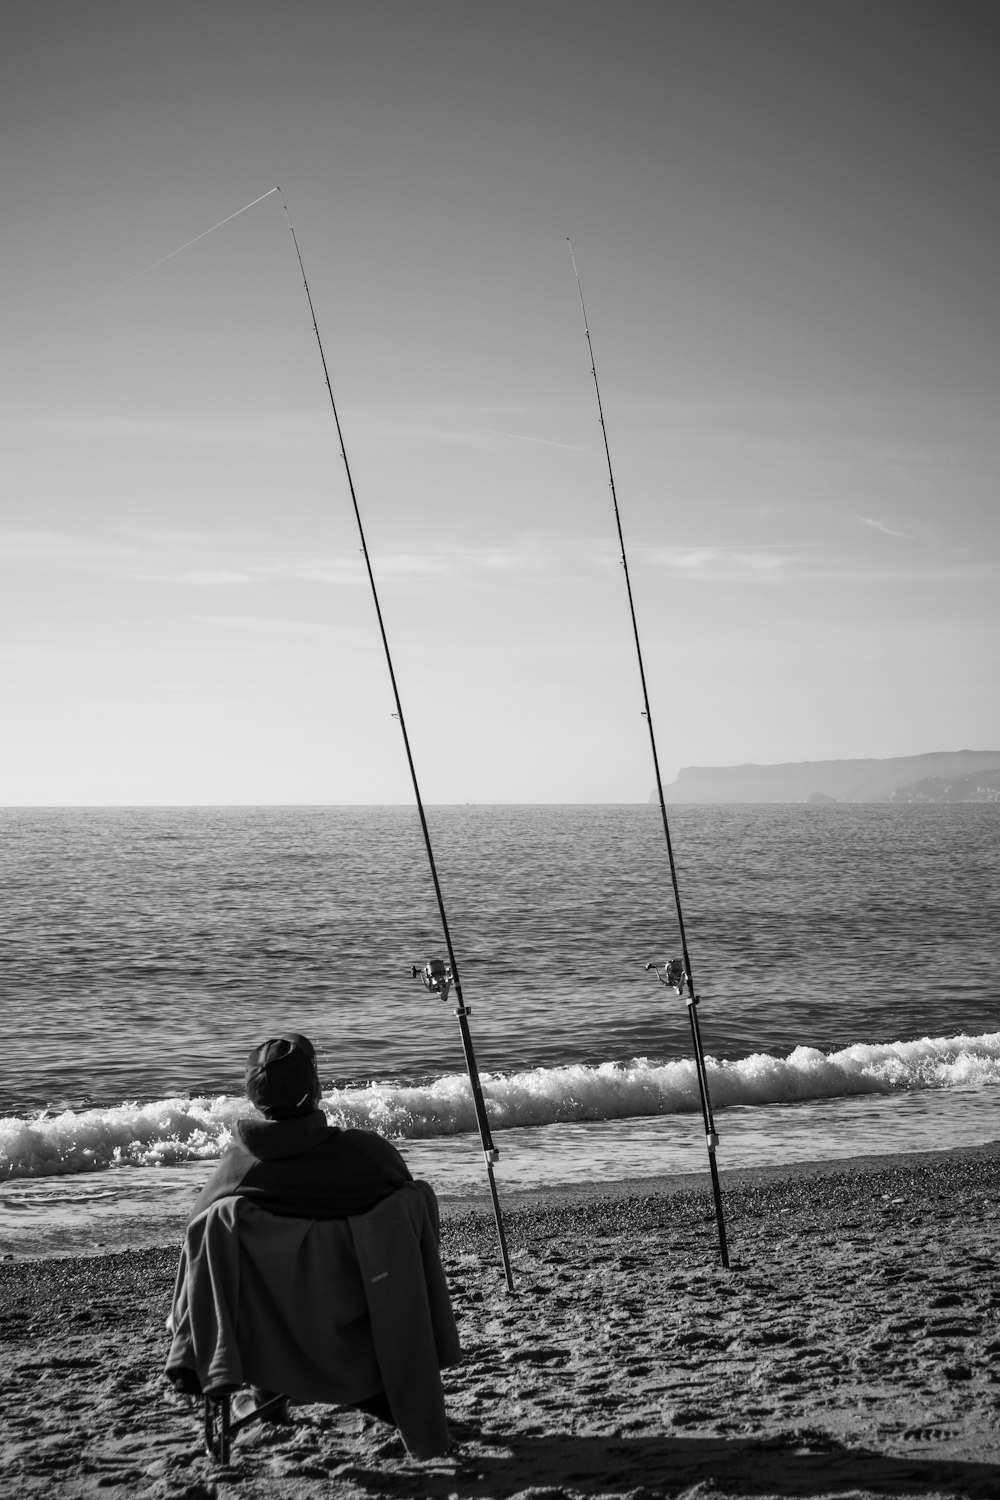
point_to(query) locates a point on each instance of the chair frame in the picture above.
(220, 1428)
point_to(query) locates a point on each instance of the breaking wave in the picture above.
(167, 1132)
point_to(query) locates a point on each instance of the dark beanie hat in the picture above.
(281, 1076)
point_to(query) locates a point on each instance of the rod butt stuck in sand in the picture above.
(678, 971)
(438, 976)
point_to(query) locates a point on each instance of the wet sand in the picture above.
(852, 1349)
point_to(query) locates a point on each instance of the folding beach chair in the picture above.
(348, 1312)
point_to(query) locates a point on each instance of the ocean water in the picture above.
(846, 960)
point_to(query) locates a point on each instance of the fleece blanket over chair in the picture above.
(330, 1310)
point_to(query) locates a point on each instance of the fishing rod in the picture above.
(678, 971)
(437, 976)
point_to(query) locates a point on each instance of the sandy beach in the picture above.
(852, 1349)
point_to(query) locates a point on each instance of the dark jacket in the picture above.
(305, 1169)
(335, 1312)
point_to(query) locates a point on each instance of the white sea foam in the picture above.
(167, 1132)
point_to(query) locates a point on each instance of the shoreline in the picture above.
(670, 1183)
(152, 1230)
(853, 1345)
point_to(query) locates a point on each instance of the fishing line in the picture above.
(678, 972)
(437, 976)
(164, 258)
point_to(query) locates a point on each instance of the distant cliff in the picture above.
(943, 776)
(980, 786)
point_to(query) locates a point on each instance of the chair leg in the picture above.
(225, 1430)
(218, 1427)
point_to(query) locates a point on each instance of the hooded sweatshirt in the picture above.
(305, 1168)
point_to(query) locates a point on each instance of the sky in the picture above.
(785, 221)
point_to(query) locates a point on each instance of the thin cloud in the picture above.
(211, 562)
(292, 429)
(265, 624)
(457, 427)
(208, 561)
(771, 565)
(523, 437)
(473, 427)
(880, 526)
(57, 548)
(482, 439)
(726, 564)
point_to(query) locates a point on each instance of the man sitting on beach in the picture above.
(288, 1160)
(292, 1161)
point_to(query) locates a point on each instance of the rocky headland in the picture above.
(941, 776)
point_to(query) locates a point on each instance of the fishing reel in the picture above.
(674, 976)
(435, 976)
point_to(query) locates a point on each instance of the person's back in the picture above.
(289, 1159)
